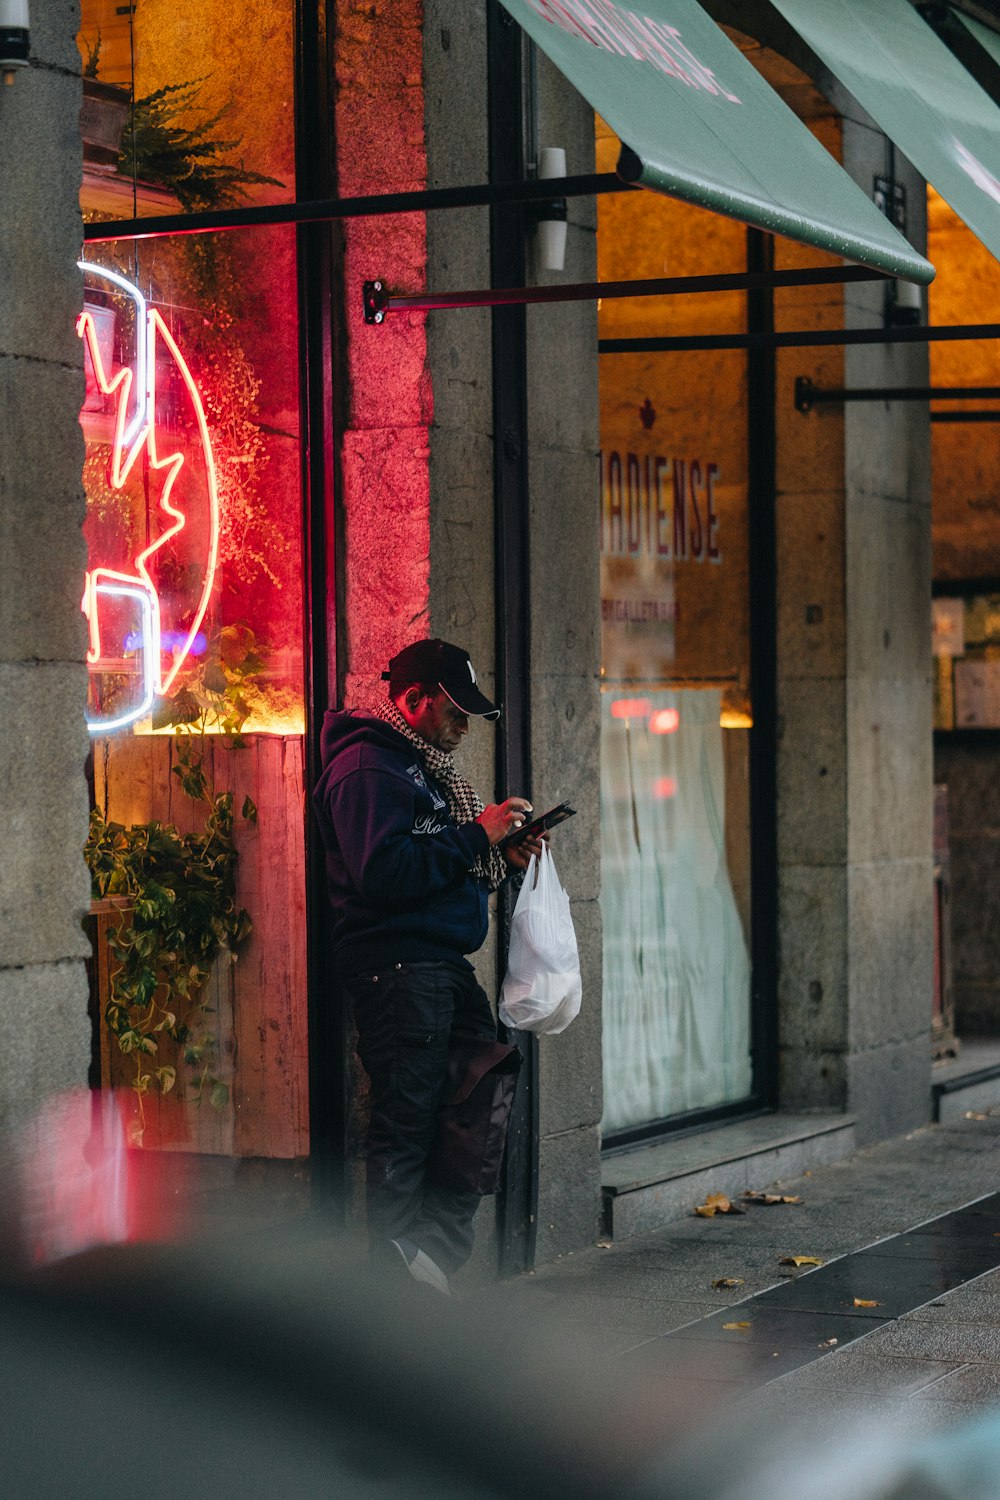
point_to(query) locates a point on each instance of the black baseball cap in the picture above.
(449, 666)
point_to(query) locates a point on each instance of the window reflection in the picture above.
(677, 709)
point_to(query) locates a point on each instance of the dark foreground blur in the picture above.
(271, 1363)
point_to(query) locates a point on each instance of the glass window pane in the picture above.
(677, 702)
(195, 616)
(186, 107)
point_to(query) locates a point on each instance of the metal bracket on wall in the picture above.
(808, 396)
(378, 302)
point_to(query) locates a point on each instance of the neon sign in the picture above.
(134, 391)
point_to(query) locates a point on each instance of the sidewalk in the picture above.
(927, 1355)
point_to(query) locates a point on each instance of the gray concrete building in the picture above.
(705, 608)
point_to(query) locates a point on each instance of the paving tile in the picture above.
(975, 1252)
(970, 1383)
(861, 1368)
(968, 1304)
(896, 1285)
(777, 1327)
(621, 1323)
(958, 1343)
(981, 1216)
(708, 1359)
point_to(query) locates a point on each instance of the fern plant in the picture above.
(162, 146)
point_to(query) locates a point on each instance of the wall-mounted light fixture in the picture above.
(14, 40)
(550, 216)
(904, 302)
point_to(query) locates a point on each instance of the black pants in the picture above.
(407, 1017)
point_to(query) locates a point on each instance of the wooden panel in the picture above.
(260, 1000)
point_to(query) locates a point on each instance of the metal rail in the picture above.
(422, 200)
(808, 395)
(804, 338)
(378, 302)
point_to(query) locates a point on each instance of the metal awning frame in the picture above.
(378, 302)
(808, 396)
(327, 210)
(373, 205)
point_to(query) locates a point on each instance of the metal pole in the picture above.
(806, 338)
(367, 206)
(808, 395)
(378, 300)
(517, 1207)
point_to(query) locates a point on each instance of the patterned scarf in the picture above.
(464, 803)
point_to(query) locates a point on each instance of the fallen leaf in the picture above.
(716, 1203)
(721, 1283)
(800, 1260)
(865, 1302)
(736, 1325)
(769, 1198)
(826, 1344)
(604, 1244)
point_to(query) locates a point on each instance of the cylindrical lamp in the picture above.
(552, 216)
(14, 41)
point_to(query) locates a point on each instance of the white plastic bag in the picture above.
(542, 989)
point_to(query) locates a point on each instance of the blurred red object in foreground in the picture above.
(82, 1184)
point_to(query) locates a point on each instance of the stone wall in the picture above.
(565, 651)
(383, 384)
(44, 887)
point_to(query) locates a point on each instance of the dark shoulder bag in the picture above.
(472, 1119)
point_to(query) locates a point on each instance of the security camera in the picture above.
(14, 40)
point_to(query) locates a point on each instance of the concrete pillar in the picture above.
(44, 886)
(888, 702)
(565, 683)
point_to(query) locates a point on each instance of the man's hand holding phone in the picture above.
(505, 821)
(501, 819)
(518, 854)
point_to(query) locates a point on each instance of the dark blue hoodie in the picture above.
(399, 869)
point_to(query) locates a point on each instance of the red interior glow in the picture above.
(630, 708)
(665, 721)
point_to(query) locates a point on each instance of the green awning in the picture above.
(900, 71)
(987, 39)
(697, 121)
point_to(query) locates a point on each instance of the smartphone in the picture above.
(540, 825)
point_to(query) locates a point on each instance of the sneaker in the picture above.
(421, 1267)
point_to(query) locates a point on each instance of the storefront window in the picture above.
(186, 107)
(193, 595)
(677, 703)
(966, 642)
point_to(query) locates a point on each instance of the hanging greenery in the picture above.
(162, 146)
(178, 890)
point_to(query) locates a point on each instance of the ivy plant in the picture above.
(178, 890)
